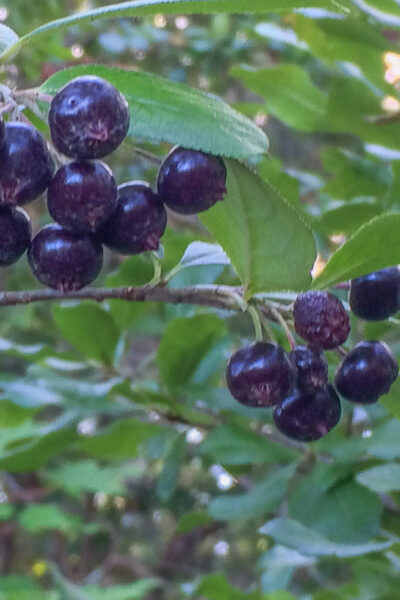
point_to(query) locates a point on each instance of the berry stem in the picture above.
(285, 327)
(157, 265)
(267, 328)
(253, 312)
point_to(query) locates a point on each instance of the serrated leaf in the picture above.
(309, 543)
(184, 345)
(374, 246)
(163, 110)
(90, 329)
(268, 243)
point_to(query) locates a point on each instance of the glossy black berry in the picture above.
(307, 416)
(64, 260)
(367, 372)
(15, 234)
(82, 196)
(376, 296)
(26, 166)
(312, 367)
(88, 118)
(138, 221)
(320, 318)
(190, 181)
(260, 375)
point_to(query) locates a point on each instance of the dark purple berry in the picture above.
(82, 196)
(137, 223)
(190, 181)
(376, 296)
(2, 131)
(320, 318)
(26, 166)
(15, 234)
(308, 415)
(260, 375)
(312, 367)
(64, 260)
(367, 372)
(88, 118)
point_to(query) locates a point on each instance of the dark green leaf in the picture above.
(268, 243)
(374, 246)
(168, 479)
(90, 329)
(184, 345)
(263, 498)
(306, 541)
(232, 445)
(119, 441)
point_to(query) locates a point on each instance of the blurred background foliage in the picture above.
(127, 470)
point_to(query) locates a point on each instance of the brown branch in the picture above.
(215, 296)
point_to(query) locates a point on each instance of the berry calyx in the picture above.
(64, 260)
(312, 367)
(260, 375)
(26, 166)
(376, 296)
(308, 416)
(189, 181)
(137, 223)
(367, 372)
(15, 234)
(88, 118)
(82, 196)
(320, 318)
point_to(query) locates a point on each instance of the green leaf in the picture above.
(347, 217)
(216, 587)
(184, 345)
(383, 478)
(289, 94)
(132, 591)
(306, 541)
(119, 441)
(163, 110)
(191, 520)
(263, 498)
(141, 8)
(37, 452)
(374, 246)
(8, 37)
(46, 517)
(168, 479)
(233, 445)
(325, 503)
(268, 243)
(88, 476)
(90, 329)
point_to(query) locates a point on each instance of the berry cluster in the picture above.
(306, 406)
(88, 120)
